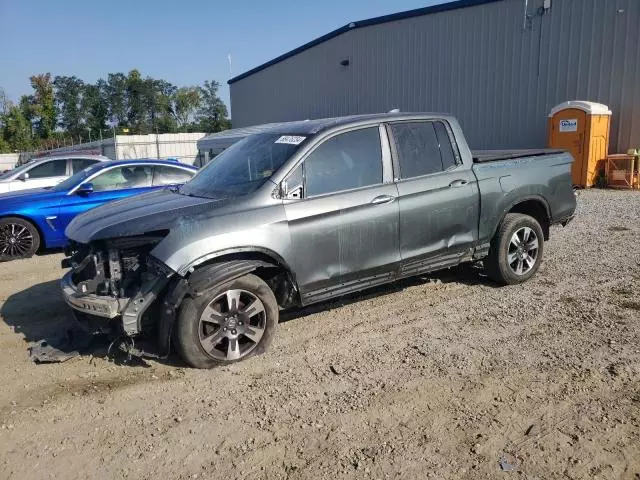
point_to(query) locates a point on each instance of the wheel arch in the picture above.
(534, 206)
(229, 264)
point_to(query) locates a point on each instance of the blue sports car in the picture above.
(34, 219)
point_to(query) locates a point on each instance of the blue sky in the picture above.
(182, 41)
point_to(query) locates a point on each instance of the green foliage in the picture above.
(17, 130)
(4, 146)
(95, 107)
(212, 114)
(186, 103)
(43, 103)
(68, 97)
(117, 100)
(67, 108)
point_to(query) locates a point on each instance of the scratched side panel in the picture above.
(343, 237)
(436, 219)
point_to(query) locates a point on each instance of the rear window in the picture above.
(170, 176)
(422, 148)
(79, 164)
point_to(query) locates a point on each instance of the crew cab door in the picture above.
(342, 211)
(438, 196)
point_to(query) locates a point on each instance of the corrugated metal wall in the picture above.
(477, 63)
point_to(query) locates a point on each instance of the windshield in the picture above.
(17, 170)
(243, 167)
(76, 179)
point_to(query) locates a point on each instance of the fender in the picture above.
(537, 198)
(275, 257)
(221, 272)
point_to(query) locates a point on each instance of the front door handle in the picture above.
(458, 183)
(382, 199)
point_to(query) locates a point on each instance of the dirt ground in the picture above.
(441, 376)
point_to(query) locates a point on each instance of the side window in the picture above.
(53, 168)
(346, 161)
(170, 176)
(417, 148)
(446, 149)
(79, 164)
(122, 178)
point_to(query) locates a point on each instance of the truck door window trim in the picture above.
(387, 168)
(395, 156)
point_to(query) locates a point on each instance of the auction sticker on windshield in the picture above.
(290, 139)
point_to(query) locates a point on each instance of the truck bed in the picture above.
(483, 156)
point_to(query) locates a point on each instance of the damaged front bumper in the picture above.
(129, 310)
(99, 305)
(112, 289)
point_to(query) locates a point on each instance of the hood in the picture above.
(148, 212)
(29, 195)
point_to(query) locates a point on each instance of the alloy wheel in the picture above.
(231, 325)
(15, 240)
(522, 254)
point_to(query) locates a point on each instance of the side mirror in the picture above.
(24, 176)
(85, 189)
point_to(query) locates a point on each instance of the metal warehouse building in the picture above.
(498, 65)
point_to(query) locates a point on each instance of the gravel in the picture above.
(445, 376)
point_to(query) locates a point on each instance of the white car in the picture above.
(46, 171)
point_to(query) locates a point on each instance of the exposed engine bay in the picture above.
(116, 277)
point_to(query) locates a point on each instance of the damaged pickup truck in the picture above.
(304, 212)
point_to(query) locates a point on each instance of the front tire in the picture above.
(19, 238)
(516, 250)
(227, 323)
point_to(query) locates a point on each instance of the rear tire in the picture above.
(516, 250)
(227, 323)
(19, 238)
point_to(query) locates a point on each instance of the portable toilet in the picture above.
(582, 128)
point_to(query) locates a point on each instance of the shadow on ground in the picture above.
(467, 274)
(40, 314)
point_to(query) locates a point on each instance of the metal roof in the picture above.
(443, 7)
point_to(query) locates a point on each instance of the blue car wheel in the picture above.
(18, 239)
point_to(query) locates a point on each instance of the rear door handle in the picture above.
(458, 183)
(382, 199)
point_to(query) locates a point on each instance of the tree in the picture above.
(5, 103)
(116, 98)
(69, 100)
(17, 130)
(186, 104)
(43, 103)
(96, 106)
(136, 102)
(4, 146)
(212, 114)
(159, 96)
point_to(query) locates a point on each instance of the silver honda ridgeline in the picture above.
(305, 212)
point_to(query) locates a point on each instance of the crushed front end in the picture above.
(115, 283)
